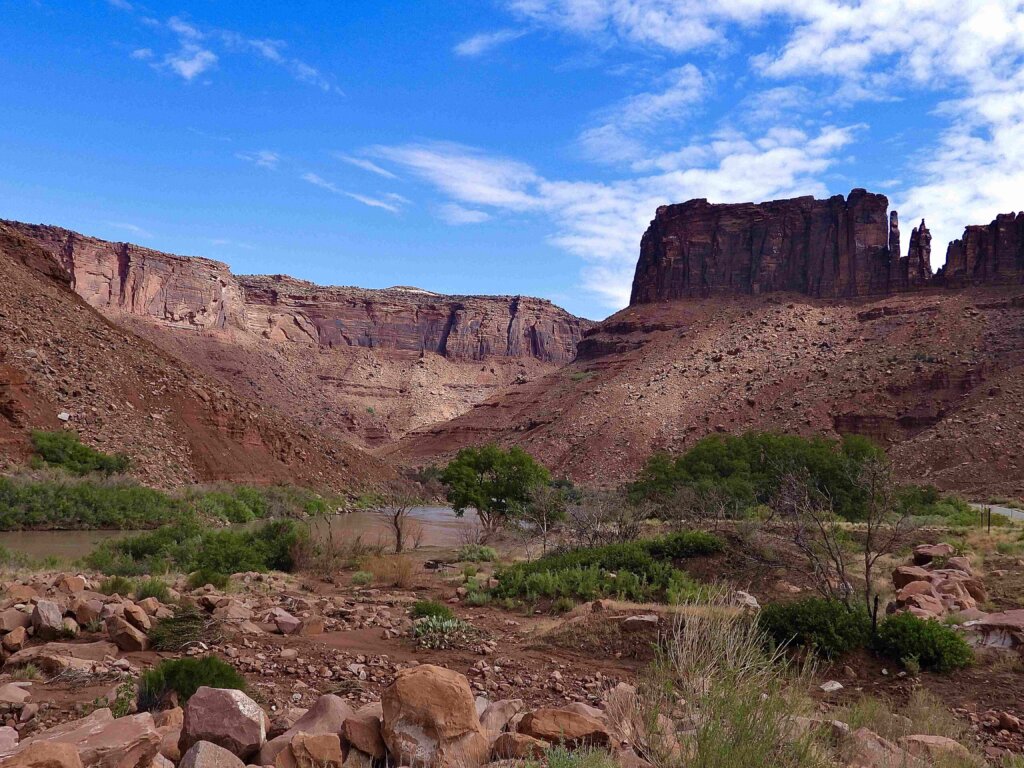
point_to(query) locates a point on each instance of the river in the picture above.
(439, 528)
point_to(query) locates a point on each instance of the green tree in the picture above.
(498, 484)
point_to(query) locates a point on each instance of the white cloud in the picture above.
(366, 165)
(190, 61)
(477, 45)
(135, 229)
(142, 54)
(121, 5)
(264, 158)
(373, 202)
(619, 136)
(454, 214)
(602, 222)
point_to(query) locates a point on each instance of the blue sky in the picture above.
(497, 146)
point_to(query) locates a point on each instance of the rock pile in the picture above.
(937, 584)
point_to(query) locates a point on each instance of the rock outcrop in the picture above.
(203, 295)
(835, 248)
(990, 254)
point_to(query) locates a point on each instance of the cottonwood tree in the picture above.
(498, 484)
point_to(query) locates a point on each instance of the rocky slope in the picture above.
(62, 362)
(369, 364)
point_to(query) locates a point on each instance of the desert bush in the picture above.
(930, 643)
(185, 677)
(65, 450)
(362, 578)
(191, 546)
(477, 553)
(49, 501)
(923, 713)
(440, 632)
(741, 696)
(478, 598)
(929, 506)
(187, 627)
(393, 570)
(117, 585)
(561, 756)
(829, 627)
(636, 570)
(152, 587)
(202, 577)
(562, 605)
(426, 608)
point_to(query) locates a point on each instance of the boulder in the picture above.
(54, 658)
(169, 722)
(286, 623)
(906, 574)
(71, 583)
(998, 630)
(12, 618)
(362, 730)
(137, 617)
(642, 623)
(866, 749)
(558, 726)
(21, 592)
(497, 715)
(517, 746)
(14, 640)
(430, 720)
(15, 693)
(44, 754)
(925, 553)
(327, 715)
(47, 620)
(224, 717)
(86, 611)
(125, 636)
(314, 625)
(203, 754)
(232, 610)
(312, 750)
(938, 750)
(103, 742)
(925, 606)
(917, 588)
(960, 563)
(8, 739)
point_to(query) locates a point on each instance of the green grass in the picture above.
(477, 553)
(153, 588)
(117, 585)
(636, 570)
(362, 578)
(178, 632)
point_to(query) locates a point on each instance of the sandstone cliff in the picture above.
(992, 254)
(201, 294)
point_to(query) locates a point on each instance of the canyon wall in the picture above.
(203, 295)
(835, 248)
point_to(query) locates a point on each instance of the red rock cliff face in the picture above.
(992, 254)
(822, 248)
(203, 295)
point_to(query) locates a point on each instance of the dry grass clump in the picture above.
(392, 570)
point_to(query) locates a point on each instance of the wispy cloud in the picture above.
(264, 158)
(190, 61)
(319, 181)
(452, 213)
(224, 242)
(121, 5)
(133, 228)
(142, 54)
(477, 45)
(366, 165)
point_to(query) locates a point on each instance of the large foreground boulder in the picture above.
(47, 620)
(105, 742)
(225, 717)
(363, 731)
(312, 750)
(327, 715)
(430, 720)
(44, 754)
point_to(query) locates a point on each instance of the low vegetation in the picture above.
(191, 546)
(635, 570)
(829, 627)
(65, 450)
(923, 643)
(187, 627)
(184, 677)
(477, 553)
(431, 608)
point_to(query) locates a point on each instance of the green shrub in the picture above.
(117, 585)
(477, 553)
(153, 588)
(590, 757)
(428, 608)
(478, 599)
(185, 677)
(189, 545)
(635, 570)
(202, 577)
(932, 644)
(362, 578)
(64, 449)
(78, 504)
(187, 627)
(829, 627)
(562, 605)
(440, 632)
